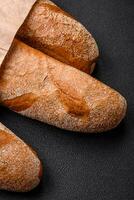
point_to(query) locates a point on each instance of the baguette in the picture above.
(20, 168)
(38, 86)
(53, 31)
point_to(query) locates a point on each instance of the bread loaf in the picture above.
(20, 168)
(38, 86)
(56, 33)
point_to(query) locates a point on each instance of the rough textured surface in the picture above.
(20, 168)
(53, 31)
(45, 89)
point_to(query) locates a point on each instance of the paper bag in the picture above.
(12, 15)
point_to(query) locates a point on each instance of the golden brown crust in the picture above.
(55, 8)
(67, 97)
(5, 138)
(20, 168)
(21, 103)
(54, 32)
